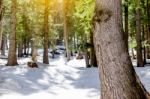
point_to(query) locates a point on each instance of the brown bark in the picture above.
(118, 77)
(12, 59)
(140, 62)
(45, 54)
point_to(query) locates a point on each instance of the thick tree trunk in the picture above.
(140, 62)
(12, 59)
(45, 54)
(118, 77)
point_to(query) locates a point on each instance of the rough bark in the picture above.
(140, 62)
(45, 54)
(117, 75)
(12, 59)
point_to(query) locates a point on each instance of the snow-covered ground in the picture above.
(59, 80)
(144, 75)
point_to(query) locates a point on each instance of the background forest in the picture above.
(35, 34)
(44, 25)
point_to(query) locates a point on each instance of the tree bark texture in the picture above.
(117, 75)
(12, 58)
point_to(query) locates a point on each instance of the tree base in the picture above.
(32, 65)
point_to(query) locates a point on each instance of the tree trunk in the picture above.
(140, 62)
(133, 55)
(20, 50)
(118, 77)
(66, 29)
(25, 46)
(1, 26)
(28, 48)
(144, 48)
(86, 59)
(148, 27)
(45, 54)
(93, 61)
(126, 22)
(3, 47)
(34, 51)
(12, 59)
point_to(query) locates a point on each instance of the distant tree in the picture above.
(1, 28)
(126, 21)
(140, 62)
(66, 27)
(46, 30)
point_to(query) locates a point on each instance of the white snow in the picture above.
(59, 80)
(144, 75)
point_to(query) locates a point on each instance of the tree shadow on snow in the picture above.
(34, 80)
(87, 80)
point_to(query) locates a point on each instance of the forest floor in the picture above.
(59, 80)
